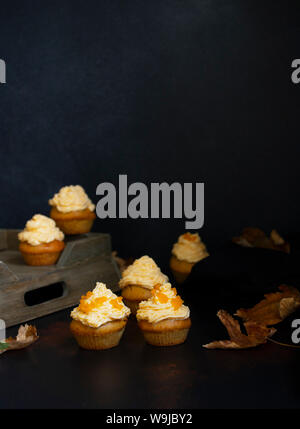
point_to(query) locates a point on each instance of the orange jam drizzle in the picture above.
(117, 303)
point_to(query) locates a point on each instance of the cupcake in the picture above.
(100, 319)
(72, 210)
(41, 242)
(138, 280)
(188, 250)
(163, 318)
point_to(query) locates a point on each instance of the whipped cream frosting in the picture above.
(70, 199)
(40, 229)
(143, 272)
(164, 304)
(99, 307)
(190, 248)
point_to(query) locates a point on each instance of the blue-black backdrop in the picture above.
(169, 90)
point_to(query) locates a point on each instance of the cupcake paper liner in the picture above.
(101, 342)
(166, 338)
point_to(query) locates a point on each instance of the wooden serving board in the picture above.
(85, 260)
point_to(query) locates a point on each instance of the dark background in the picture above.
(162, 91)
(188, 91)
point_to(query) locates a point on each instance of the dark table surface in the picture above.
(55, 373)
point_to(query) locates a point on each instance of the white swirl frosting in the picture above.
(189, 248)
(40, 229)
(99, 307)
(143, 272)
(164, 304)
(70, 199)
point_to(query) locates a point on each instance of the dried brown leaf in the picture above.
(276, 238)
(122, 263)
(274, 307)
(255, 237)
(26, 336)
(256, 334)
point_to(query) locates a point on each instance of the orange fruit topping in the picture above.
(99, 301)
(117, 303)
(190, 237)
(155, 289)
(162, 297)
(86, 307)
(88, 295)
(174, 290)
(176, 302)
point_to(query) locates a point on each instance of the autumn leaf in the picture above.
(256, 334)
(26, 336)
(122, 263)
(274, 307)
(255, 237)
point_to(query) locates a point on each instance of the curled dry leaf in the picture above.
(255, 237)
(276, 238)
(256, 334)
(274, 307)
(122, 263)
(26, 336)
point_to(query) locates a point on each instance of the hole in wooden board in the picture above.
(44, 294)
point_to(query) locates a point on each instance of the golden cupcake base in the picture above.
(180, 269)
(169, 332)
(104, 337)
(133, 295)
(43, 254)
(73, 223)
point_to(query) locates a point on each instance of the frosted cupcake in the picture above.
(100, 319)
(188, 250)
(72, 210)
(138, 280)
(41, 242)
(163, 318)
